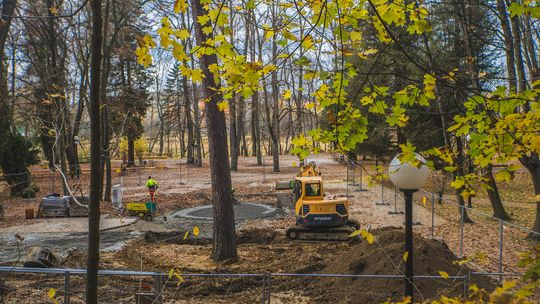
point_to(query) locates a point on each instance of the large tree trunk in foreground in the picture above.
(95, 155)
(224, 241)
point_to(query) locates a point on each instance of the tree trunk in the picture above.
(255, 136)
(460, 172)
(274, 132)
(197, 142)
(255, 104)
(233, 133)
(131, 151)
(532, 163)
(224, 237)
(494, 198)
(95, 155)
(189, 121)
(508, 44)
(520, 68)
(105, 161)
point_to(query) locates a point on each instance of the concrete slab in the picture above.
(242, 211)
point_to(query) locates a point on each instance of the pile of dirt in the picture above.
(385, 256)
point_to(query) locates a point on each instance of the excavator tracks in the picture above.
(322, 234)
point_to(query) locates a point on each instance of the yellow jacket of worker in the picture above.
(151, 183)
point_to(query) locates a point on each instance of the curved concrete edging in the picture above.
(267, 211)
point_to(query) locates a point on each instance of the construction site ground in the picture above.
(161, 245)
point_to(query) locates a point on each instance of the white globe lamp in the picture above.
(408, 178)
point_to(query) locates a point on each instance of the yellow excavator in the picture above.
(317, 217)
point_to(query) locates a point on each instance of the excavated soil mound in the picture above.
(385, 256)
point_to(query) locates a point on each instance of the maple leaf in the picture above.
(196, 75)
(180, 6)
(287, 94)
(222, 105)
(53, 10)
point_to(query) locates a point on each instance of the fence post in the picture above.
(432, 215)
(66, 287)
(264, 171)
(360, 178)
(353, 167)
(381, 203)
(461, 223)
(466, 283)
(501, 240)
(382, 192)
(263, 293)
(269, 286)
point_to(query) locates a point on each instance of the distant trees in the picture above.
(16, 152)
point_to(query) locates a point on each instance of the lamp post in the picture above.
(408, 178)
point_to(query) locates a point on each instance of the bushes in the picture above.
(16, 154)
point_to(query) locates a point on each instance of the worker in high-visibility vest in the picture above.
(152, 185)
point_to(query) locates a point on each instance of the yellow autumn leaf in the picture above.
(269, 34)
(171, 272)
(405, 256)
(208, 30)
(287, 94)
(51, 293)
(443, 274)
(368, 236)
(354, 233)
(535, 144)
(429, 86)
(461, 262)
(366, 53)
(179, 276)
(180, 6)
(355, 36)
(182, 34)
(222, 105)
(53, 10)
(196, 231)
(186, 235)
(197, 75)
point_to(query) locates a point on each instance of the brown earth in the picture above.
(263, 248)
(385, 256)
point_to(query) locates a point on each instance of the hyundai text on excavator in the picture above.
(318, 217)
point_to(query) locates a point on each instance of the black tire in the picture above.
(148, 217)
